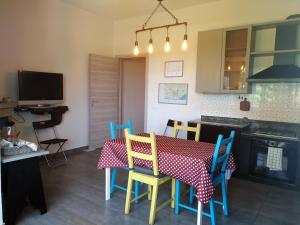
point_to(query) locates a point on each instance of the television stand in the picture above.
(42, 107)
(56, 113)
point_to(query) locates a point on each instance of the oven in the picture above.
(274, 160)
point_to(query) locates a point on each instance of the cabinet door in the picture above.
(209, 61)
(235, 60)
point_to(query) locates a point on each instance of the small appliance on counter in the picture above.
(10, 144)
(8, 131)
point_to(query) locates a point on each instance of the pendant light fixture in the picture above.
(150, 47)
(167, 46)
(136, 50)
(184, 45)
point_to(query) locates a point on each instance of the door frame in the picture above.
(121, 59)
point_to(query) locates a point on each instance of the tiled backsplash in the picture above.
(275, 102)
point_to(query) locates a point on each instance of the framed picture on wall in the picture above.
(174, 68)
(173, 93)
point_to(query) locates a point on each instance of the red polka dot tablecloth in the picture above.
(185, 160)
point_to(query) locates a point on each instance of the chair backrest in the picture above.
(143, 156)
(114, 128)
(171, 123)
(222, 160)
(178, 127)
(40, 125)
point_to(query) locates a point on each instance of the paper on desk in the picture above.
(31, 145)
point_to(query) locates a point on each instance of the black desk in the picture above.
(22, 185)
(56, 113)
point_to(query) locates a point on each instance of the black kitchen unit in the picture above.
(264, 151)
(280, 166)
(274, 153)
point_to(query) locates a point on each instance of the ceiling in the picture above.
(122, 9)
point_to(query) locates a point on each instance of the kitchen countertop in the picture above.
(255, 135)
(12, 158)
(272, 129)
(255, 128)
(223, 121)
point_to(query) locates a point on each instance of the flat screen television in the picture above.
(40, 88)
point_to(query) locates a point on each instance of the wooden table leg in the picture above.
(199, 214)
(107, 184)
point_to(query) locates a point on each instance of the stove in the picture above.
(288, 135)
(274, 151)
(283, 131)
(265, 151)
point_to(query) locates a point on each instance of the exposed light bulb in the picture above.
(150, 47)
(184, 45)
(136, 50)
(167, 45)
(243, 68)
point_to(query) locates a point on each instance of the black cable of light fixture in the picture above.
(167, 26)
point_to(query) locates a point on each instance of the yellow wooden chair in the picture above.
(178, 128)
(152, 177)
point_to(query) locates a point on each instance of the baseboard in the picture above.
(69, 152)
(92, 149)
(76, 150)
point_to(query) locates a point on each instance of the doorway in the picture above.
(132, 99)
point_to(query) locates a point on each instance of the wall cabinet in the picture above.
(222, 60)
(209, 61)
(275, 43)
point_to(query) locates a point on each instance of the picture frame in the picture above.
(173, 93)
(174, 68)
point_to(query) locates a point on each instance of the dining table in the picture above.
(186, 160)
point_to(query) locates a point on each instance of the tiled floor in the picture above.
(75, 196)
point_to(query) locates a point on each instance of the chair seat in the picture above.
(124, 168)
(147, 171)
(53, 141)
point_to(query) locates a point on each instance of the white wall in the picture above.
(53, 36)
(268, 102)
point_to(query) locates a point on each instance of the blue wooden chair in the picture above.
(114, 128)
(217, 173)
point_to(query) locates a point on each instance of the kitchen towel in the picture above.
(274, 159)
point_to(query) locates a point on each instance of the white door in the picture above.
(104, 81)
